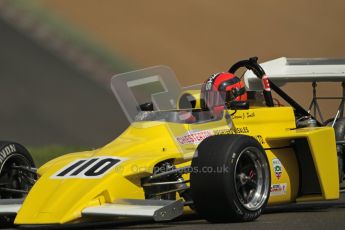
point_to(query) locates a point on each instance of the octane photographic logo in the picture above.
(205, 169)
(6, 151)
(277, 168)
(89, 168)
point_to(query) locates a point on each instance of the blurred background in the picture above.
(57, 56)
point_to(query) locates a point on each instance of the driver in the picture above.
(220, 89)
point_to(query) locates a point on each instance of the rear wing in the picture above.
(284, 70)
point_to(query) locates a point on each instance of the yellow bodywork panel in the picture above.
(322, 146)
(284, 188)
(141, 147)
(55, 199)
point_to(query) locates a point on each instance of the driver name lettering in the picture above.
(243, 115)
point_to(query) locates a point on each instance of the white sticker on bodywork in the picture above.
(94, 167)
(277, 168)
(278, 189)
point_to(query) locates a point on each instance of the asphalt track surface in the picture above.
(317, 215)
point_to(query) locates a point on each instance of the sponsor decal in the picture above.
(209, 83)
(223, 131)
(94, 167)
(242, 129)
(6, 151)
(260, 139)
(266, 83)
(194, 137)
(278, 189)
(277, 168)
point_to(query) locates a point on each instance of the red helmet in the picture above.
(226, 84)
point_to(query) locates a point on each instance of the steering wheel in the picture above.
(252, 64)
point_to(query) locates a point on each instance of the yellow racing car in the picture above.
(222, 149)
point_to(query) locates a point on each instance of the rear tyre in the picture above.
(230, 179)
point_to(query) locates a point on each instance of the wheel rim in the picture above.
(11, 178)
(251, 178)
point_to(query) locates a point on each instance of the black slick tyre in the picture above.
(12, 155)
(230, 178)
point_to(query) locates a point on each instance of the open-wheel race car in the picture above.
(220, 149)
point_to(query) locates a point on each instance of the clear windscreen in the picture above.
(154, 94)
(143, 90)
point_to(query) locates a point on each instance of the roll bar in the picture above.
(252, 64)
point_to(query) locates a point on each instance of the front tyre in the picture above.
(230, 178)
(14, 181)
